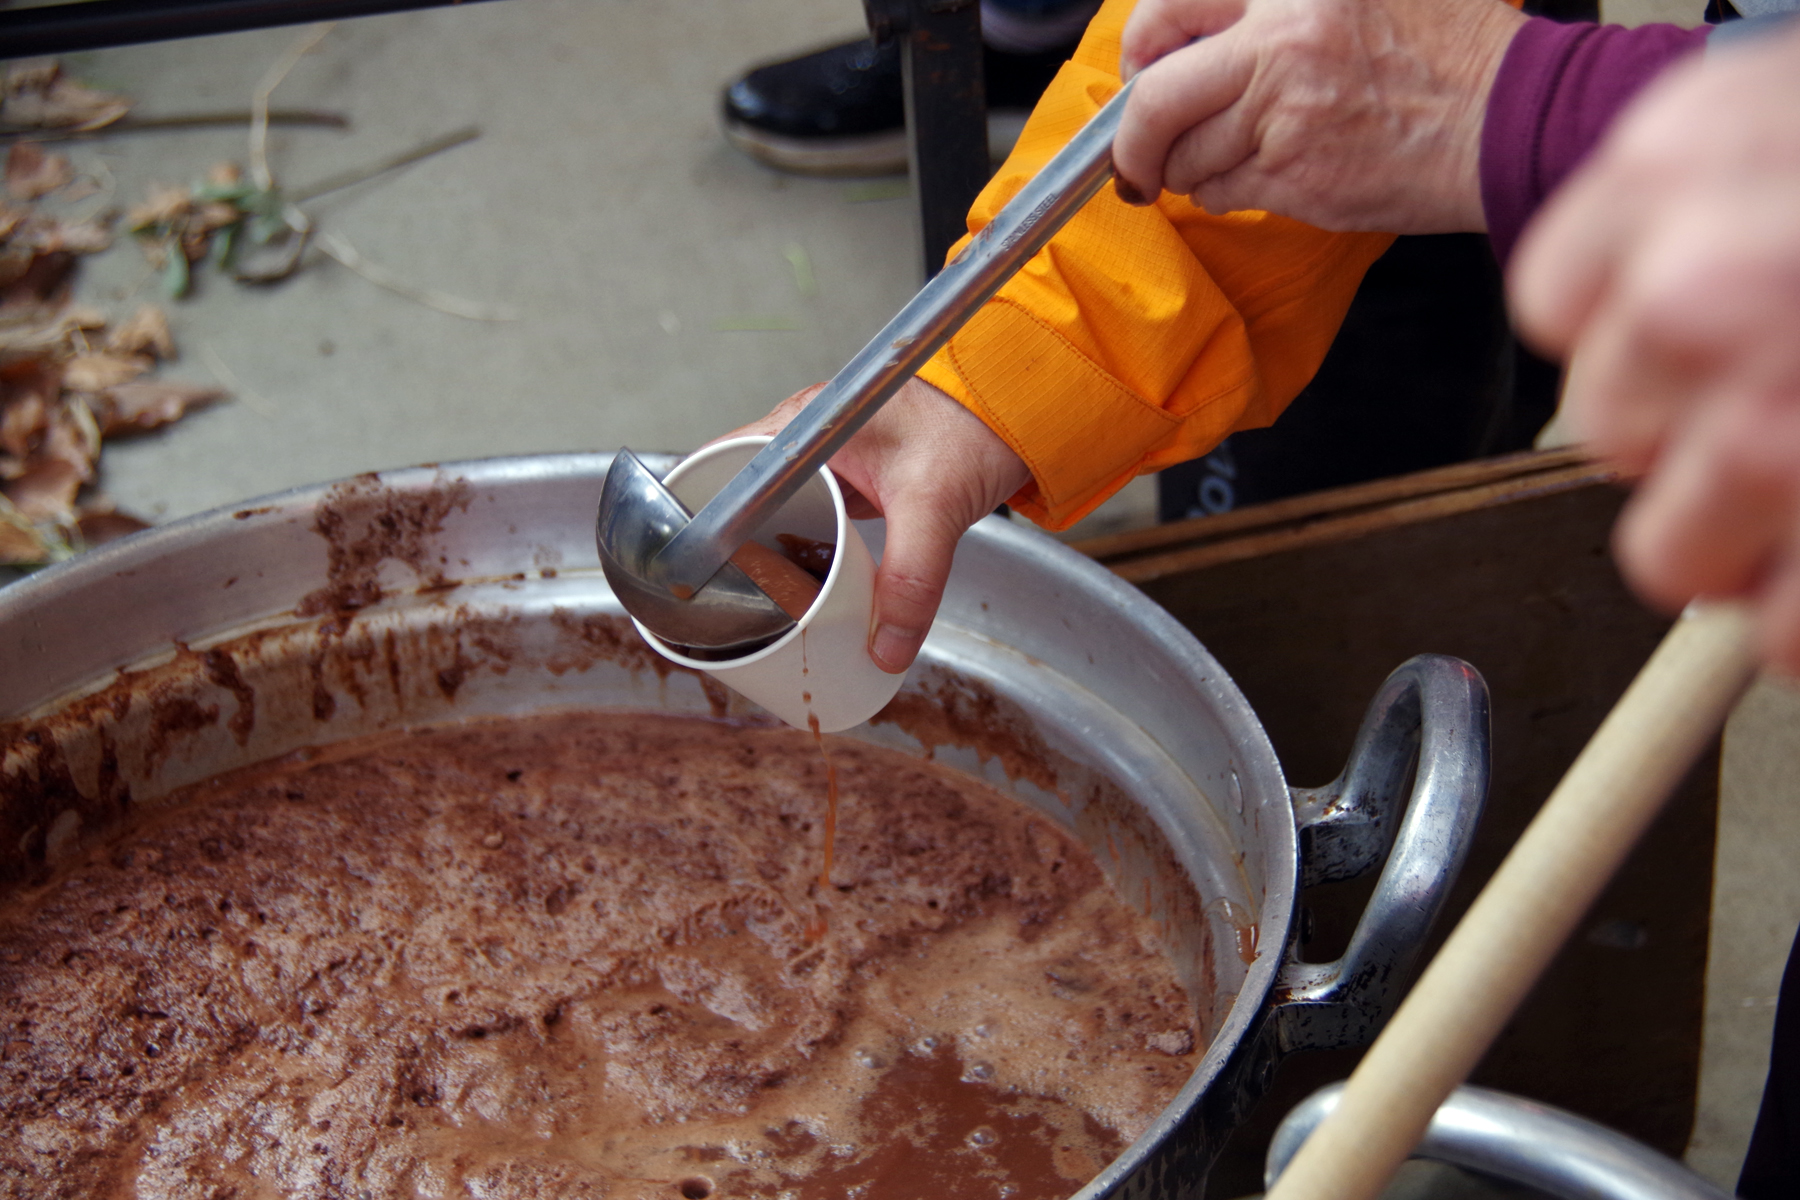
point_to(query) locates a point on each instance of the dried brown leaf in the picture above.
(99, 523)
(195, 242)
(69, 440)
(148, 404)
(48, 334)
(48, 235)
(164, 205)
(23, 423)
(34, 284)
(46, 490)
(71, 105)
(84, 316)
(37, 95)
(39, 376)
(15, 261)
(59, 465)
(20, 544)
(31, 172)
(214, 214)
(31, 75)
(98, 371)
(86, 425)
(146, 331)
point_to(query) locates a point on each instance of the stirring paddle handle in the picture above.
(1509, 935)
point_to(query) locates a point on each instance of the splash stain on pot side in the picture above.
(943, 710)
(222, 669)
(1243, 926)
(591, 638)
(263, 694)
(365, 523)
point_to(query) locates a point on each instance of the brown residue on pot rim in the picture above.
(1243, 925)
(589, 638)
(364, 523)
(222, 669)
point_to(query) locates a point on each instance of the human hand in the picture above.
(1346, 114)
(932, 469)
(1669, 268)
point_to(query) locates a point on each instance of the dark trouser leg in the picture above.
(1772, 1167)
(1423, 373)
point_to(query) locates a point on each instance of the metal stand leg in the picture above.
(946, 111)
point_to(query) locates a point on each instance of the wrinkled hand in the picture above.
(1347, 114)
(1669, 266)
(932, 469)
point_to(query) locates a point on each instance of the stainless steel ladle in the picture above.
(669, 567)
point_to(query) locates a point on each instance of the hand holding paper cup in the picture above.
(821, 668)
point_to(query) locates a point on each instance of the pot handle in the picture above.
(1522, 1141)
(1432, 711)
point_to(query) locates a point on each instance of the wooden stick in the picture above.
(172, 121)
(1610, 795)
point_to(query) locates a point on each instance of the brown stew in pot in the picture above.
(577, 955)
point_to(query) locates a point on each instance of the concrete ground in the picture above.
(666, 289)
(652, 269)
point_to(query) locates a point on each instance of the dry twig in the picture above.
(380, 276)
(259, 104)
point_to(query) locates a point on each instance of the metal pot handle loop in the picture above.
(1552, 1152)
(1432, 711)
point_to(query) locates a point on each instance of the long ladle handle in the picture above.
(1509, 935)
(1041, 207)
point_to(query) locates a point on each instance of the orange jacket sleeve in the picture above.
(1139, 337)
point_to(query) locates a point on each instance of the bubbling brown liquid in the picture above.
(569, 957)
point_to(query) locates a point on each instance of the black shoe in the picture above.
(842, 110)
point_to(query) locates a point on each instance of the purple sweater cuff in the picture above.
(1559, 88)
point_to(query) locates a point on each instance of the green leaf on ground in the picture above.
(175, 278)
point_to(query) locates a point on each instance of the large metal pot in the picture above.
(431, 594)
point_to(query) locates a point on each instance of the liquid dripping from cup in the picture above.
(793, 578)
(817, 929)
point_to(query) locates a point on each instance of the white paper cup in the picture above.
(821, 668)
